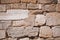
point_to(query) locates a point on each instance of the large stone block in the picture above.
(56, 31)
(2, 34)
(2, 7)
(10, 1)
(51, 7)
(14, 14)
(16, 6)
(29, 1)
(40, 20)
(53, 18)
(45, 32)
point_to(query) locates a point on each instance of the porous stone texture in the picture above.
(49, 39)
(57, 38)
(58, 7)
(38, 39)
(45, 31)
(56, 31)
(2, 34)
(53, 18)
(40, 20)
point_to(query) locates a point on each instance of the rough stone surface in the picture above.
(51, 7)
(57, 38)
(16, 6)
(2, 7)
(24, 39)
(58, 7)
(29, 1)
(58, 1)
(46, 1)
(49, 39)
(56, 31)
(26, 22)
(31, 31)
(2, 34)
(38, 39)
(14, 14)
(5, 24)
(45, 31)
(15, 31)
(53, 18)
(40, 20)
(32, 6)
(10, 1)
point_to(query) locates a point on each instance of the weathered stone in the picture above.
(33, 6)
(57, 38)
(38, 39)
(11, 38)
(53, 18)
(27, 22)
(51, 7)
(14, 14)
(2, 34)
(46, 1)
(31, 31)
(58, 7)
(2, 7)
(15, 31)
(29, 1)
(58, 1)
(10, 1)
(5, 24)
(45, 31)
(40, 20)
(24, 39)
(16, 6)
(1, 25)
(56, 31)
(49, 39)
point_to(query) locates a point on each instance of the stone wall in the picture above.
(29, 19)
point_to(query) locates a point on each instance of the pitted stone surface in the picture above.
(45, 31)
(24, 39)
(40, 20)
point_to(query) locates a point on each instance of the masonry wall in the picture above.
(29, 19)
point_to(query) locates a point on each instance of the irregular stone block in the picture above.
(2, 34)
(51, 7)
(2, 7)
(57, 38)
(31, 31)
(33, 6)
(45, 32)
(14, 14)
(10, 1)
(56, 31)
(38, 39)
(40, 20)
(15, 32)
(29, 1)
(16, 6)
(53, 18)
(24, 39)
